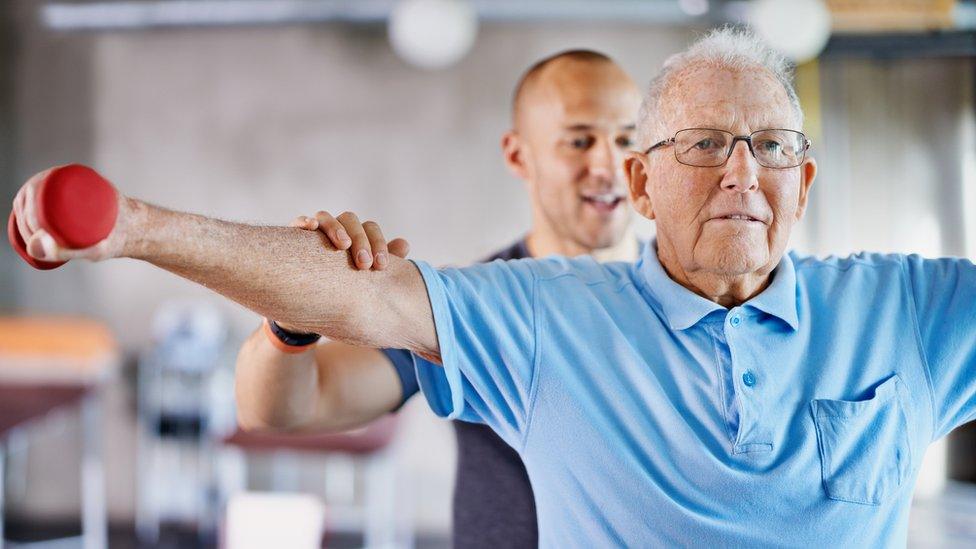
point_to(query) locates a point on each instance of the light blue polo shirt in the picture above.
(649, 416)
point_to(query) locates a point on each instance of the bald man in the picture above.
(572, 121)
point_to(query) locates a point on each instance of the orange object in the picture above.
(55, 348)
(866, 16)
(280, 345)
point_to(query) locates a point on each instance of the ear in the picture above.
(808, 172)
(513, 151)
(635, 170)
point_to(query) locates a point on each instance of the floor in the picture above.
(123, 537)
(947, 521)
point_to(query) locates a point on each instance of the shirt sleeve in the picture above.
(944, 293)
(486, 330)
(402, 362)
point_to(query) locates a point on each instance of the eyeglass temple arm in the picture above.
(660, 144)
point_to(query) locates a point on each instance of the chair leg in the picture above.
(3, 461)
(231, 473)
(94, 516)
(147, 509)
(285, 468)
(380, 501)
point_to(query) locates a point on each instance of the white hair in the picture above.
(729, 47)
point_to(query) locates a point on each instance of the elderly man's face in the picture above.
(730, 220)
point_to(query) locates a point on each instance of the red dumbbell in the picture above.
(75, 205)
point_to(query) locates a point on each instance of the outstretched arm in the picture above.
(279, 272)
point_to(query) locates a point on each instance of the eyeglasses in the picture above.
(709, 148)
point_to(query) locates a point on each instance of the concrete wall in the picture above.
(897, 158)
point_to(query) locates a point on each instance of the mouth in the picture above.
(738, 218)
(603, 202)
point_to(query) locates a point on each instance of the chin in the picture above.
(732, 257)
(605, 238)
(595, 242)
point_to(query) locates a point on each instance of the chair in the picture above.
(376, 517)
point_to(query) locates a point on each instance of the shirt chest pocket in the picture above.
(864, 449)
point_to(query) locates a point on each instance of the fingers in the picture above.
(305, 222)
(25, 206)
(333, 230)
(378, 243)
(22, 227)
(399, 247)
(29, 207)
(38, 242)
(361, 251)
(364, 240)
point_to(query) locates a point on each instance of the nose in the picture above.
(604, 162)
(741, 170)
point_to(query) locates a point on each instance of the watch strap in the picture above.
(288, 342)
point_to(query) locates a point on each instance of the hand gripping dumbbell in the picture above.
(75, 205)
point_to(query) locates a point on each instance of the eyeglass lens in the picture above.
(708, 148)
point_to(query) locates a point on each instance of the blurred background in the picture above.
(259, 111)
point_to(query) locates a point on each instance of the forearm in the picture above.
(332, 386)
(270, 270)
(275, 390)
(287, 274)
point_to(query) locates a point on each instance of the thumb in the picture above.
(399, 247)
(42, 246)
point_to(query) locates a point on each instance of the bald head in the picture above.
(572, 121)
(564, 73)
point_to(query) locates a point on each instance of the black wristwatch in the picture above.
(292, 339)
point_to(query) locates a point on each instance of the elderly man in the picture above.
(573, 118)
(717, 392)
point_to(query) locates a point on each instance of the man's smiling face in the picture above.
(576, 125)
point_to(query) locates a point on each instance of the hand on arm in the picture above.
(331, 386)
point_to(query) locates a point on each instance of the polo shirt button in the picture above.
(735, 321)
(749, 378)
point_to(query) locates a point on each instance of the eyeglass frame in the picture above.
(735, 138)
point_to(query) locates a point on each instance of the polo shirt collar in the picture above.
(779, 299)
(683, 308)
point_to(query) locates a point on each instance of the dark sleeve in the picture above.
(403, 364)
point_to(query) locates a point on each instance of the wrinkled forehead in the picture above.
(741, 101)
